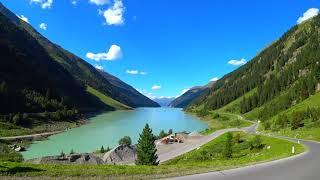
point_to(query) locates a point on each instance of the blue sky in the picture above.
(164, 47)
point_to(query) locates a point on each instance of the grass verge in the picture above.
(189, 163)
(220, 120)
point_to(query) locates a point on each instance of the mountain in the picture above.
(83, 72)
(193, 93)
(164, 101)
(131, 94)
(39, 78)
(280, 86)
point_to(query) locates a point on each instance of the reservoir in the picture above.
(107, 128)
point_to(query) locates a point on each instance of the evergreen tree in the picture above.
(227, 153)
(162, 134)
(146, 148)
(102, 150)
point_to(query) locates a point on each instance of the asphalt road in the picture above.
(305, 166)
(187, 148)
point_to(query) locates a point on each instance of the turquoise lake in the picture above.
(107, 128)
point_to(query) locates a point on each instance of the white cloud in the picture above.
(113, 53)
(99, 2)
(45, 4)
(114, 15)
(235, 62)
(43, 26)
(214, 79)
(308, 14)
(23, 18)
(98, 67)
(156, 87)
(74, 2)
(132, 72)
(165, 97)
(135, 72)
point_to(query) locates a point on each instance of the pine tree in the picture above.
(146, 148)
(162, 134)
(102, 150)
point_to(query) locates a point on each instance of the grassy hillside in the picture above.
(43, 87)
(279, 86)
(281, 123)
(107, 100)
(235, 106)
(80, 71)
(128, 92)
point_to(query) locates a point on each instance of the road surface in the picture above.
(189, 147)
(305, 166)
(31, 136)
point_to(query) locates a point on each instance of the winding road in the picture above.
(305, 166)
(162, 157)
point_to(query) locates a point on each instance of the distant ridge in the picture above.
(185, 99)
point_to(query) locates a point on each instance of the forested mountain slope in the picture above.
(192, 94)
(129, 92)
(186, 98)
(83, 72)
(42, 83)
(284, 74)
(33, 82)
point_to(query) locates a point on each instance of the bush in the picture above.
(7, 154)
(237, 138)
(256, 143)
(17, 119)
(126, 140)
(215, 115)
(227, 152)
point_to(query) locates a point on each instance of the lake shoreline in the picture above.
(110, 130)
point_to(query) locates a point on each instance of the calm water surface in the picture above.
(107, 128)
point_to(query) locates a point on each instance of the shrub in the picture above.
(126, 140)
(227, 152)
(237, 138)
(256, 143)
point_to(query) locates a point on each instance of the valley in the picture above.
(112, 114)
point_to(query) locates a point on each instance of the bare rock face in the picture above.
(122, 154)
(70, 159)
